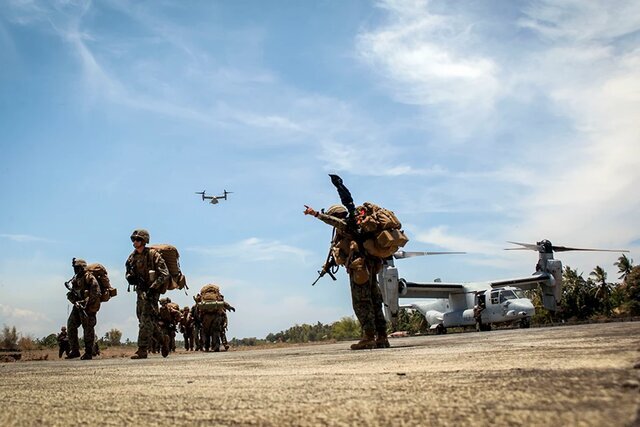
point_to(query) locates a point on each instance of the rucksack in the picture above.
(100, 273)
(210, 292)
(384, 229)
(171, 258)
(210, 299)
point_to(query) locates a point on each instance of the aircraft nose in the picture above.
(526, 306)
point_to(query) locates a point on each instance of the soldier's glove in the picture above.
(156, 285)
(232, 309)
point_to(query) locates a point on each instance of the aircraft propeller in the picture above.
(545, 246)
(404, 254)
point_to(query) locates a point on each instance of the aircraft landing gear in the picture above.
(441, 330)
(525, 323)
(482, 327)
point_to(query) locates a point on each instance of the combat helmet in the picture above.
(337, 210)
(79, 263)
(142, 234)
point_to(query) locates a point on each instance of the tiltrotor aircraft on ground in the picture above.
(214, 199)
(481, 303)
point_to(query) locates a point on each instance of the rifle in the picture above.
(133, 279)
(330, 267)
(73, 293)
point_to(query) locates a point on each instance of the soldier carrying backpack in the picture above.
(363, 237)
(147, 272)
(85, 294)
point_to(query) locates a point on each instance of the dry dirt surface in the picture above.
(584, 375)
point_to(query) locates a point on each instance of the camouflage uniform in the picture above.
(139, 265)
(197, 327)
(85, 296)
(366, 297)
(63, 343)
(187, 329)
(170, 317)
(225, 324)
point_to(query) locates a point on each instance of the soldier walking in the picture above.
(63, 342)
(225, 323)
(148, 274)
(187, 329)
(85, 297)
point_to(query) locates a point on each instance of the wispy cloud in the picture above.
(18, 316)
(425, 59)
(254, 249)
(24, 238)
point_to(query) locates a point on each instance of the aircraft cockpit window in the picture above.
(494, 297)
(519, 293)
(505, 295)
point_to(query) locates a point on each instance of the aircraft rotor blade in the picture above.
(535, 247)
(404, 254)
(567, 249)
(525, 246)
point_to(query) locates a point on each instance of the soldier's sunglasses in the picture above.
(137, 239)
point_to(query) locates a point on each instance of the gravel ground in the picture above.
(585, 375)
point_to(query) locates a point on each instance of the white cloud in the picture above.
(425, 60)
(441, 237)
(23, 238)
(254, 249)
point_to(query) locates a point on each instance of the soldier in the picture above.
(362, 268)
(63, 342)
(170, 317)
(197, 323)
(187, 329)
(148, 273)
(85, 297)
(225, 323)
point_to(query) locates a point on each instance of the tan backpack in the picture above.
(100, 273)
(384, 228)
(211, 299)
(210, 292)
(171, 257)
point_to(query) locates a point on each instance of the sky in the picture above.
(476, 122)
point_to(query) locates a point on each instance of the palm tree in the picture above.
(625, 265)
(602, 289)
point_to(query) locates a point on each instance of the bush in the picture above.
(113, 337)
(9, 338)
(26, 343)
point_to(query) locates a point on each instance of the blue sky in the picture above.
(477, 122)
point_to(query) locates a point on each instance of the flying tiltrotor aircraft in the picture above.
(481, 303)
(214, 199)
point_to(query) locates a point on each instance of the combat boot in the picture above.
(73, 354)
(140, 354)
(382, 341)
(86, 356)
(165, 346)
(367, 342)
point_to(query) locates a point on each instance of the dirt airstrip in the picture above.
(584, 375)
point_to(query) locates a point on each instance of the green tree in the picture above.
(50, 341)
(625, 265)
(632, 292)
(346, 328)
(577, 299)
(9, 338)
(113, 337)
(601, 289)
